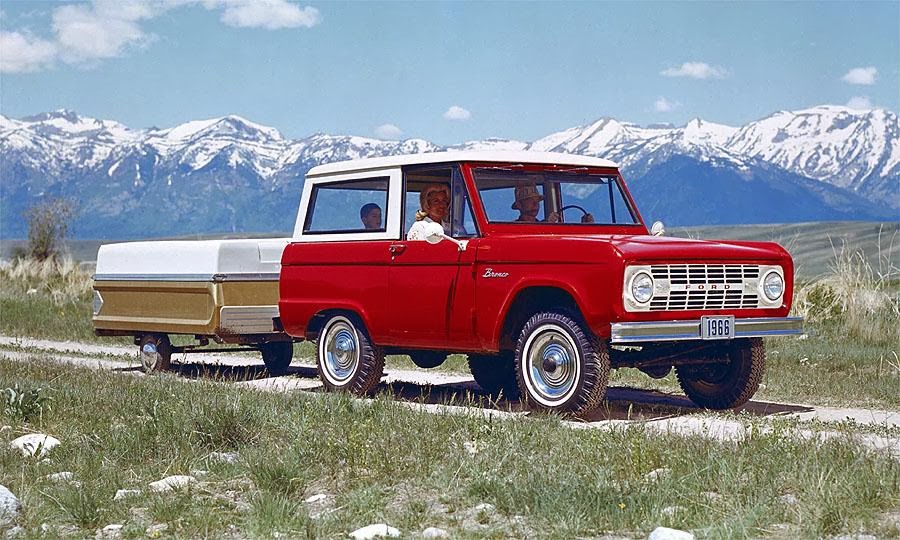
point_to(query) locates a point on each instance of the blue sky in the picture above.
(447, 72)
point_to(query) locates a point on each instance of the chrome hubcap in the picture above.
(551, 364)
(341, 351)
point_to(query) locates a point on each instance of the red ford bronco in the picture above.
(536, 265)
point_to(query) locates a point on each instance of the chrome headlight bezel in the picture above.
(632, 274)
(765, 273)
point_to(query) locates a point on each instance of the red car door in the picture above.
(431, 294)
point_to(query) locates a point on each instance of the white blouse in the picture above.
(417, 231)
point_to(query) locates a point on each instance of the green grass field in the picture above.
(381, 462)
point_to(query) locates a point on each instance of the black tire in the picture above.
(155, 352)
(277, 356)
(561, 366)
(428, 359)
(346, 358)
(730, 384)
(495, 373)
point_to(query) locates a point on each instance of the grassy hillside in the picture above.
(813, 245)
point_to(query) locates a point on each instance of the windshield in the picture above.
(522, 196)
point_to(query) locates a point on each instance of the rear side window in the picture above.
(353, 206)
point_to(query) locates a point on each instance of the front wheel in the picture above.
(277, 355)
(727, 384)
(560, 365)
(346, 358)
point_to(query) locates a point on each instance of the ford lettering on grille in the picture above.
(705, 286)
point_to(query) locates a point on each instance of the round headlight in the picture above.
(642, 287)
(773, 286)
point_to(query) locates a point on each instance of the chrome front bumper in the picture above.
(638, 332)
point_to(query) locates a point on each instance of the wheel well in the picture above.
(528, 302)
(318, 321)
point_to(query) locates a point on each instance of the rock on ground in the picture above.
(61, 477)
(122, 494)
(315, 498)
(35, 444)
(377, 530)
(172, 482)
(223, 457)
(657, 474)
(434, 532)
(665, 533)
(9, 506)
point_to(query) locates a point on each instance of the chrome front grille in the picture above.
(704, 286)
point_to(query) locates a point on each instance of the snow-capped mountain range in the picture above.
(230, 174)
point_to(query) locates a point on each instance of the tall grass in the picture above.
(49, 299)
(62, 280)
(855, 299)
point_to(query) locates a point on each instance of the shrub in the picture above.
(48, 223)
(24, 403)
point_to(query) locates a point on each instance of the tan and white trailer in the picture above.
(225, 291)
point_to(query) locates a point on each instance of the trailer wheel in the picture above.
(560, 365)
(277, 355)
(495, 372)
(728, 384)
(155, 352)
(427, 359)
(346, 358)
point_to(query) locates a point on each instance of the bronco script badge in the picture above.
(489, 273)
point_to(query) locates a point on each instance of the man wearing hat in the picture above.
(528, 203)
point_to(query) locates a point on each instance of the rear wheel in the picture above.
(155, 352)
(428, 359)
(730, 383)
(277, 355)
(495, 373)
(346, 358)
(560, 365)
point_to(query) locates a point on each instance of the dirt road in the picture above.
(432, 391)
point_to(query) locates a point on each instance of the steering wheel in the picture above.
(566, 207)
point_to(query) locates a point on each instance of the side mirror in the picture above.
(658, 229)
(434, 233)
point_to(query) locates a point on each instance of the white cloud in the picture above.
(861, 75)
(388, 131)
(23, 53)
(664, 105)
(457, 113)
(269, 14)
(104, 29)
(696, 70)
(87, 32)
(860, 102)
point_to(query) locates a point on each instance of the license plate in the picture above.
(717, 327)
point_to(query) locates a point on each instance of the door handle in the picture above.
(397, 249)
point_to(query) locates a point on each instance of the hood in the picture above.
(656, 248)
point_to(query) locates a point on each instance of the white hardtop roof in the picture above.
(549, 158)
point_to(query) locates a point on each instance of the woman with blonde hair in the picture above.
(434, 204)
